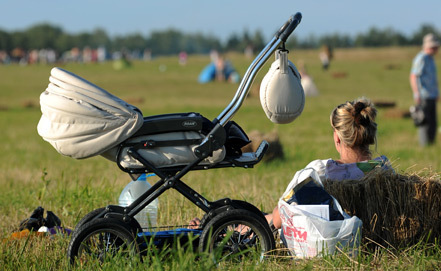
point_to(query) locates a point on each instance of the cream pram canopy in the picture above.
(80, 119)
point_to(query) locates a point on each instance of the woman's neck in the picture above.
(350, 155)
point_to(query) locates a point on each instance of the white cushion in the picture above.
(169, 156)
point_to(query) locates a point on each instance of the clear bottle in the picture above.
(146, 217)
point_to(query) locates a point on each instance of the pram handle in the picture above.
(289, 26)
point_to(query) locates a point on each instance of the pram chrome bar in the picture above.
(247, 81)
(245, 85)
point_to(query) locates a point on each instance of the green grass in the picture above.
(32, 173)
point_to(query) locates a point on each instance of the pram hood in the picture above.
(80, 119)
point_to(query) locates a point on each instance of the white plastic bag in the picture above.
(309, 235)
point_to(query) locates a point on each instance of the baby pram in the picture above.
(170, 146)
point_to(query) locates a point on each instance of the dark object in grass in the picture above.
(384, 104)
(338, 75)
(275, 149)
(36, 220)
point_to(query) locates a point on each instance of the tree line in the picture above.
(171, 41)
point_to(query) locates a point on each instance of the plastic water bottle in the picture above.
(147, 216)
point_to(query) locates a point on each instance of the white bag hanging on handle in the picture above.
(281, 93)
(308, 235)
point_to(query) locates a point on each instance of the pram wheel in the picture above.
(102, 239)
(236, 233)
(134, 225)
(89, 217)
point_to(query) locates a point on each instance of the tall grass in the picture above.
(33, 174)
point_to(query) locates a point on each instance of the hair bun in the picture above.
(358, 118)
(359, 106)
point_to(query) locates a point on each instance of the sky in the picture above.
(221, 18)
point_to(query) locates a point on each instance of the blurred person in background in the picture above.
(219, 69)
(424, 84)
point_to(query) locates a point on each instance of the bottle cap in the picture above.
(142, 177)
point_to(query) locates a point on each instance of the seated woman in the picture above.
(355, 130)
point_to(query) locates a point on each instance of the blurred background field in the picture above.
(33, 174)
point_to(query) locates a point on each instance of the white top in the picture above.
(329, 169)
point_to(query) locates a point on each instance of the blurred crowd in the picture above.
(86, 55)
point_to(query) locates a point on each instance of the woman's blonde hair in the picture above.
(355, 123)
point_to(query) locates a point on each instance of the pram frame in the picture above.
(214, 140)
(171, 177)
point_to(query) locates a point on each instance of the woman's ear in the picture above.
(337, 142)
(336, 138)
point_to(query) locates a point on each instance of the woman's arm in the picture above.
(274, 218)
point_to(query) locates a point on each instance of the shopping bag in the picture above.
(308, 231)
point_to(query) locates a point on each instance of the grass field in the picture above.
(33, 174)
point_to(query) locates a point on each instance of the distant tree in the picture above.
(171, 41)
(309, 42)
(336, 40)
(134, 42)
(82, 40)
(5, 41)
(373, 38)
(100, 38)
(238, 44)
(376, 37)
(198, 43)
(42, 36)
(292, 42)
(232, 43)
(166, 42)
(64, 43)
(244, 42)
(258, 41)
(20, 40)
(118, 43)
(395, 38)
(417, 37)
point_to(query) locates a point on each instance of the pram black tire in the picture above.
(88, 217)
(135, 227)
(100, 239)
(247, 234)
